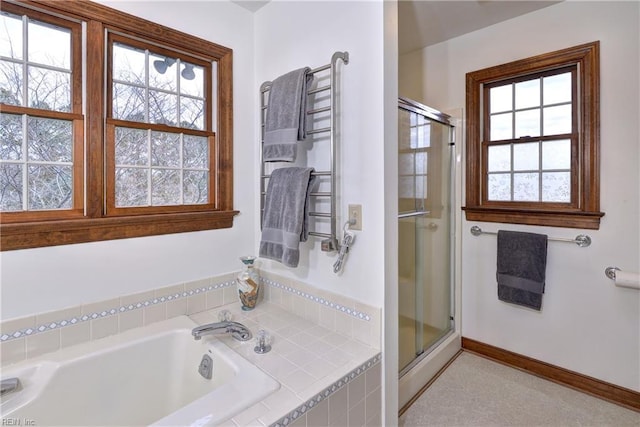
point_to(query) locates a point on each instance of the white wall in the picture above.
(290, 35)
(39, 280)
(586, 324)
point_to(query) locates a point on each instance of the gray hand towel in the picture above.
(285, 217)
(285, 122)
(522, 263)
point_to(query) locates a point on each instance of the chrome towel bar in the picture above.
(581, 240)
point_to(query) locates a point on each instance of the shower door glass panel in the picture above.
(424, 228)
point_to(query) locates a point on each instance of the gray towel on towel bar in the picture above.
(286, 118)
(285, 217)
(522, 263)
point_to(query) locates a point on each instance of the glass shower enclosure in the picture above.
(425, 231)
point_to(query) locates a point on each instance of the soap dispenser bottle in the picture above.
(248, 283)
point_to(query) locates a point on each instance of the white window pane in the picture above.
(49, 140)
(49, 90)
(501, 127)
(421, 187)
(499, 158)
(165, 184)
(191, 113)
(526, 187)
(501, 99)
(528, 94)
(404, 130)
(196, 187)
(405, 164)
(195, 152)
(556, 154)
(50, 187)
(132, 147)
(128, 64)
(421, 163)
(556, 187)
(192, 80)
(132, 187)
(163, 72)
(557, 120)
(165, 149)
(528, 123)
(423, 139)
(11, 36)
(526, 156)
(406, 188)
(11, 187)
(163, 108)
(129, 102)
(49, 45)
(10, 137)
(499, 186)
(11, 82)
(557, 89)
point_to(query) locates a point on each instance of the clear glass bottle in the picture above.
(248, 283)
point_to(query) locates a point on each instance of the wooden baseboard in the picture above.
(603, 390)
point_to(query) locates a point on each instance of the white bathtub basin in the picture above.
(145, 376)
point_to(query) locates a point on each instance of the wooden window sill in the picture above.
(64, 232)
(565, 219)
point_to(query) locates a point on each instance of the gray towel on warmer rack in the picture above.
(521, 268)
(286, 118)
(285, 216)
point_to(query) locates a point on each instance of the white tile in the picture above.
(336, 340)
(298, 380)
(302, 339)
(277, 366)
(337, 357)
(300, 357)
(246, 417)
(319, 368)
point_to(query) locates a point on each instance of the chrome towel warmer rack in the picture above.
(581, 240)
(330, 242)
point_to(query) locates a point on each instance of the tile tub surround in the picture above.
(33, 336)
(327, 378)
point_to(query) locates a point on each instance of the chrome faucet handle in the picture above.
(263, 341)
(225, 316)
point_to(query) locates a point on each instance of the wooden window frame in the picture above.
(584, 209)
(111, 123)
(74, 116)
(95, 225)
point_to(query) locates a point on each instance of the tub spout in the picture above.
(237, 330)
(9, 385)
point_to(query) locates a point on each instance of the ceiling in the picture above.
(423, 23)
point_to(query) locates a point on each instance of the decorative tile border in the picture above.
(22, 333)
(111, 312)
(326, 393)
(347, 310)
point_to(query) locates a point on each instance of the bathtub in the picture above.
(144, 376)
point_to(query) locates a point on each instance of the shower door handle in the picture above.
(412, 214)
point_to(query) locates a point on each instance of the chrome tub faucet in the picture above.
(237, 330)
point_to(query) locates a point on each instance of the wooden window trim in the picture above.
(74, 116)
(585, 212)
(94, 225)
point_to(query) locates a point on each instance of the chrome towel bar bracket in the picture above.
(581, 240)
